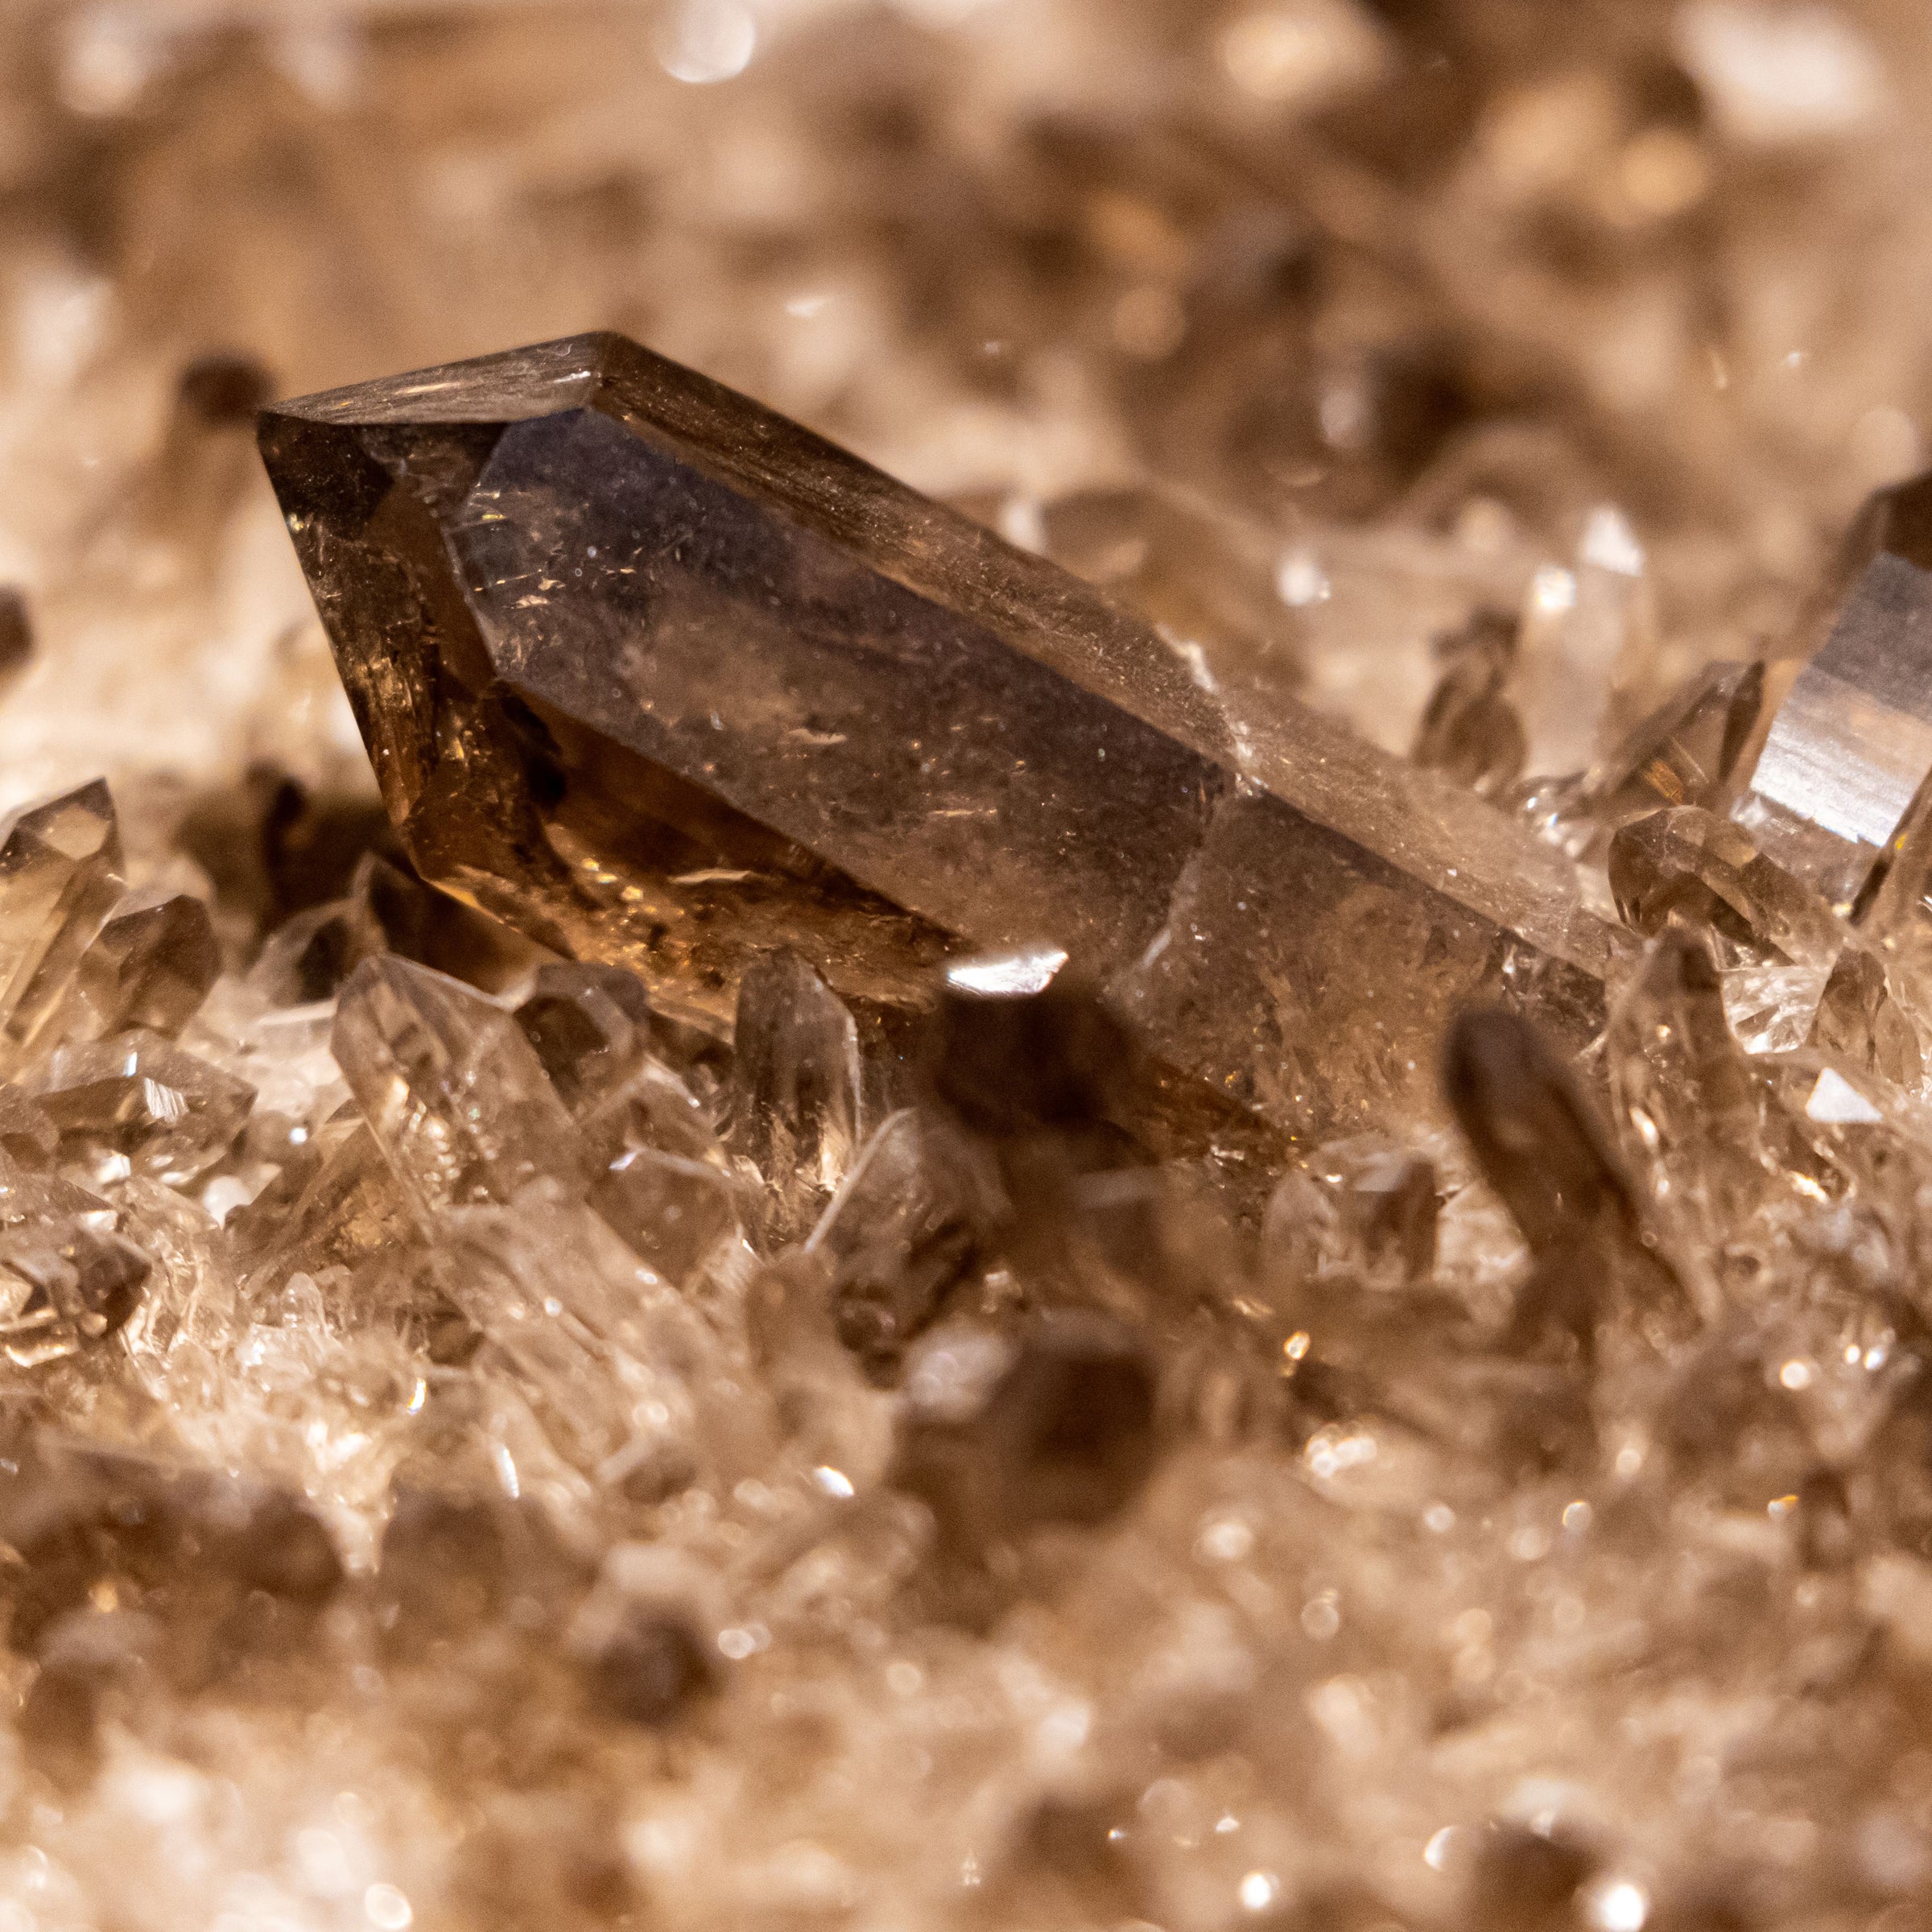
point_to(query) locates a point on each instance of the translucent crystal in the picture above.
(1850, 745)
(59, 877)
(308, 958)
(451, 1562)
(452, 1091)
(1688, 862)
(652, 1107)
(64, 1286)
(1461, 1586)
(1470, 732)
(199, 474)
(1685, 752)
(1588, 648)
(909, 1221)
(1859, 1019)
(26, 1132)
(150, 967)
(675, 1212)
(1384, 1199)
(589, 1025)
(576, 1312)
(1686, 1102)
(336, 1206)
(797, 1080)
(662, 820)
(1771, 1008)
(1543, 1148)
(189, 1305)
(138, 1102)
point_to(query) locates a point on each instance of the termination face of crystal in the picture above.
(663, 679)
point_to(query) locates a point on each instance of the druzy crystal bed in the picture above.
(965, 964)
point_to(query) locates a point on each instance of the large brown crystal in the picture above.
(662, 678)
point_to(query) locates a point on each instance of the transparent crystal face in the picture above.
(1077, 1078)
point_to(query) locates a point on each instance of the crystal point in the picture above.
(63, 1287)
(453, 1091)
(665, 680)
(59, 877)
(1686, 1104)
(1541, 1147)
(589, 1025)
(905, 1227)
(798, 1079)
(141, 1102)
(1470, 730)
(150, 967)
(1859, 1019)
(1687, 751)
(1688, 862)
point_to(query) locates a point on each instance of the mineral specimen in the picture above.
(1851, 744)
(663, 679)
(851, 1431)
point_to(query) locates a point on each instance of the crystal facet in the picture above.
(452, 1091)
(139, 1101)
(634, 657)
(59, 877)
(151, 966)
(1686, 752)
(1851, 744)
(1687, 861)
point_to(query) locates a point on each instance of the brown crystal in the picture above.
(1689, 861)
(536, 567)
(1056, 1428)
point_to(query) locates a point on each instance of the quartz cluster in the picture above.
(1181, 1179)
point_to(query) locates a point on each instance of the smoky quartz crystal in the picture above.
(664, 680)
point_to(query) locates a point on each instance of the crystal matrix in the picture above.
(786, 1464)
(661, 677)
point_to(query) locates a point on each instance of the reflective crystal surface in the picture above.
(1687, 860)
(528, 566)
(137, 1101)
(60, 863)
(151, 966)
(1851, 744)
(1687, 751)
